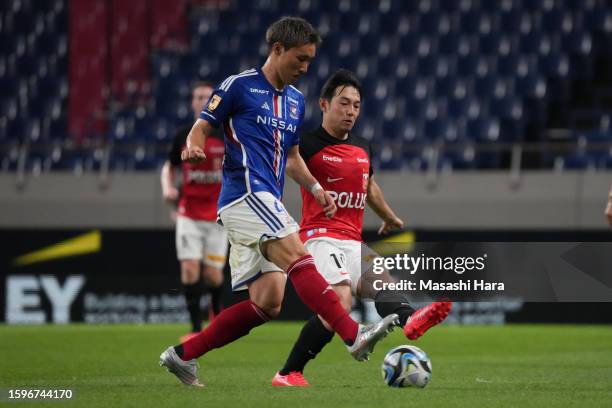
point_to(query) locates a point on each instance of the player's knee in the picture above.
(346, 301)
(213, 276)
(190, 271)
(271, 308)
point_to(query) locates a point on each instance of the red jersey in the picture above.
(343, 168)
(202, 181)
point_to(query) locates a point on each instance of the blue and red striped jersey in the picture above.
(260, 124)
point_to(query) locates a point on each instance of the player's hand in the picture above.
(393, 223)
(608, 211)
(170, 194)
(326, 201)
(193, 155)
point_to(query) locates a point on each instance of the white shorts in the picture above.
(339, 260)
(201, 240)
(250, 222)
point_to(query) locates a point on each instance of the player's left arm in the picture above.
(608, 211)
(376, 201)
(297, 170)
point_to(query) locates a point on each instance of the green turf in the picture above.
(116, 366)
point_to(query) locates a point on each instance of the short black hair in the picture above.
(201, 84)
(340, 78)
(292, 32)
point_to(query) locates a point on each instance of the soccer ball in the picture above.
(406, 366)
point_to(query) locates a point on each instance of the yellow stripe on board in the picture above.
(81, 245)
(404, 239)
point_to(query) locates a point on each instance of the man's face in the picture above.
(293, 63)
(199, 97)
(342, 111)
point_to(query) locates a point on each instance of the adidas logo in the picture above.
(265, 106)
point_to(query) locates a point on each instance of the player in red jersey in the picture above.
(200, 241)
(341, 161)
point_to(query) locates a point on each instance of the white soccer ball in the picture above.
(406, 366)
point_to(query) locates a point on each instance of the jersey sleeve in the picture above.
(307, 145)
(221, 104)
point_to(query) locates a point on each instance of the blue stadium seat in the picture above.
(495, 43)
(9, 155)
(78, 159)
(55, 130)
(468, 107)
(473, 65)
(386, 67)
(461, 155)
(538, 5)
(144, 127)
(599, 20)
(577, 42)
(50, 44)
(537, 42)
(390, 156)
(391, 22)
(164, 65)
(531, 86)
(349, 22)
(432, 66)
(575, 161)
(579, 5)
(506, 107)
(484, 130)
(515, 21)
(457, 45)
(476, 22)
(509, 111)
(163, 130)
(557, 21)
(606, 162)
(491, 5)
(439, 129)
(133, 157)
(122, 130)
(451, 87)
(434, 23)
(517, 65)
(413, 45)
(402, 129)
(9, 108)
(485, 86)
(15, 129)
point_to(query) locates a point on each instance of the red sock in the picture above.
(317, 294)
(229, 325)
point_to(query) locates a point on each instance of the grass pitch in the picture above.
(117, 366)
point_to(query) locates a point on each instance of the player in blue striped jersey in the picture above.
(260, 112)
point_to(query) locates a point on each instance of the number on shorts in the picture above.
(338, 259)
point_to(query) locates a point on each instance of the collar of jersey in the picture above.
(323, 133)
(268, 84)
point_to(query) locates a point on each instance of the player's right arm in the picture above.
(169, 192)
(376, 201)
(296, 169)
(219, 107)
(194, 153)
(608, 211)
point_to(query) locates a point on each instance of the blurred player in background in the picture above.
(608, 211)
(260, 112)
(201, 244)
(341, 161)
